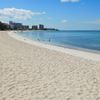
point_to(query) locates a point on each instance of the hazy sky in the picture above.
(63, 14)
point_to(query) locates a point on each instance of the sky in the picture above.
(60, 14)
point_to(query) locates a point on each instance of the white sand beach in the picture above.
(35, 71)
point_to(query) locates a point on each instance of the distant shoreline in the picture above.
(72, 51)
(67, 45)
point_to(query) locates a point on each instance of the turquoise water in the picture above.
(78, 39)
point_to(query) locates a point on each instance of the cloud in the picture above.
(21, 14)
(70, 0)
(64, 21)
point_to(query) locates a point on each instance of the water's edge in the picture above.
(76, 52)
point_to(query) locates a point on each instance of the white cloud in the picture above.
(64, 21)
(70, 0)
(20, 14)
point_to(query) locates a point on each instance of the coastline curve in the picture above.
(79, 53)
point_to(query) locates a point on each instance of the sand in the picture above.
(34, 72)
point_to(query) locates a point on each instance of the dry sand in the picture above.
(30, 72)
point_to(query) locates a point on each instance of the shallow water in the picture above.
(78, 39)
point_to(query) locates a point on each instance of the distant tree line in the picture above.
(4, 26)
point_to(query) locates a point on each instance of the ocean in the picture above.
(87, 40)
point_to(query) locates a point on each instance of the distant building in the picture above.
(34, 27)
(17, 26)
(25, 27)
(41, 27)
(11, 24)
(7, 25)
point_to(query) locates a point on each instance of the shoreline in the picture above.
(71, 51)
(33, 72)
